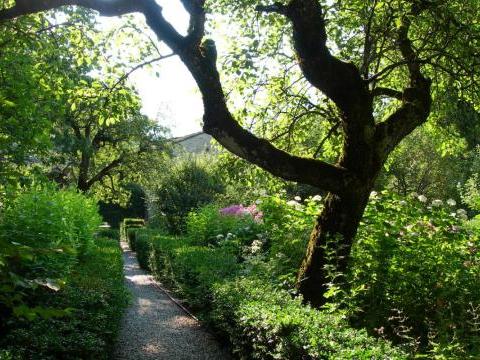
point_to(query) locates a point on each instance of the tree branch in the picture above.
(218, 121)
(104, 7)
(417, 99)
(139, 66)
(104, 172)
(383, 91)
(338, 80)
(196, 28)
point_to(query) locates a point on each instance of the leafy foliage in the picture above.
(413, 279)
(95, 297)
(419, 267)
(261, 320)
(186, 184)
(43, 234)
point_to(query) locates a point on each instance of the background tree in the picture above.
(101, 134)
(392, 52)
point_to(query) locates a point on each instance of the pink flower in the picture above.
(240, 210)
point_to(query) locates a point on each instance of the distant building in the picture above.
(197, 143)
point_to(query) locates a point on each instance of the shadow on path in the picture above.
(154, 327)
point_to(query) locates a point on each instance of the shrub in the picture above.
(288, 225)
(264, 322)
(108, 233)
(418, 267)
(128, 228)
(43, 233)
(208, 226)
(191, 270)
(46, 219)
(187, 185)
(95, 296)
(142, 241)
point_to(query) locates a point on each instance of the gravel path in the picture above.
(154, 327)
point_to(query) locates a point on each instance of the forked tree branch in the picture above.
(218, 121)
(416, 98)
(338, 80)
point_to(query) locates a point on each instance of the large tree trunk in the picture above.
(328, 251)
(329, 247)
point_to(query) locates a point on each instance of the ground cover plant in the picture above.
(62, 288)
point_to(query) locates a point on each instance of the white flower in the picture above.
(451, 202)
(256, 246)
(219, 237)
(229, 236)
(462, 214)
(317, 198)
(292, 203)
(373, 194)
(297, 198)
(402, 202)
(437, 203)
(422, 198)
(258, 202)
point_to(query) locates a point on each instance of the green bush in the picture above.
(43, 233)
(208, 226)
(45, 218)
(94, 296)
(288, 225)
(189, 269)
(264, 322)
(142, 242)
(128, 228)
(109, 233)
(188, 184)
(418, 266)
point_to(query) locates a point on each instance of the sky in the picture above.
(173, 97)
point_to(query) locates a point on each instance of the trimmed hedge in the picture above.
(96, 296)
(127, 230)
(110, 233)
(260, 320)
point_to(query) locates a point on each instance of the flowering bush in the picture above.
(214, 226)
(240, 210)
(288, 224)
(418, 266)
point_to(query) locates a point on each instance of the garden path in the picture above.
(154, 327)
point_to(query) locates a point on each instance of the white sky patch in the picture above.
(173, 98)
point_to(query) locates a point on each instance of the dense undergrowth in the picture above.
(413, 282)
(62, 286)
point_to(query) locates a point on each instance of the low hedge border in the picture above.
(96, 296)
(260, 320)
(127, 230)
